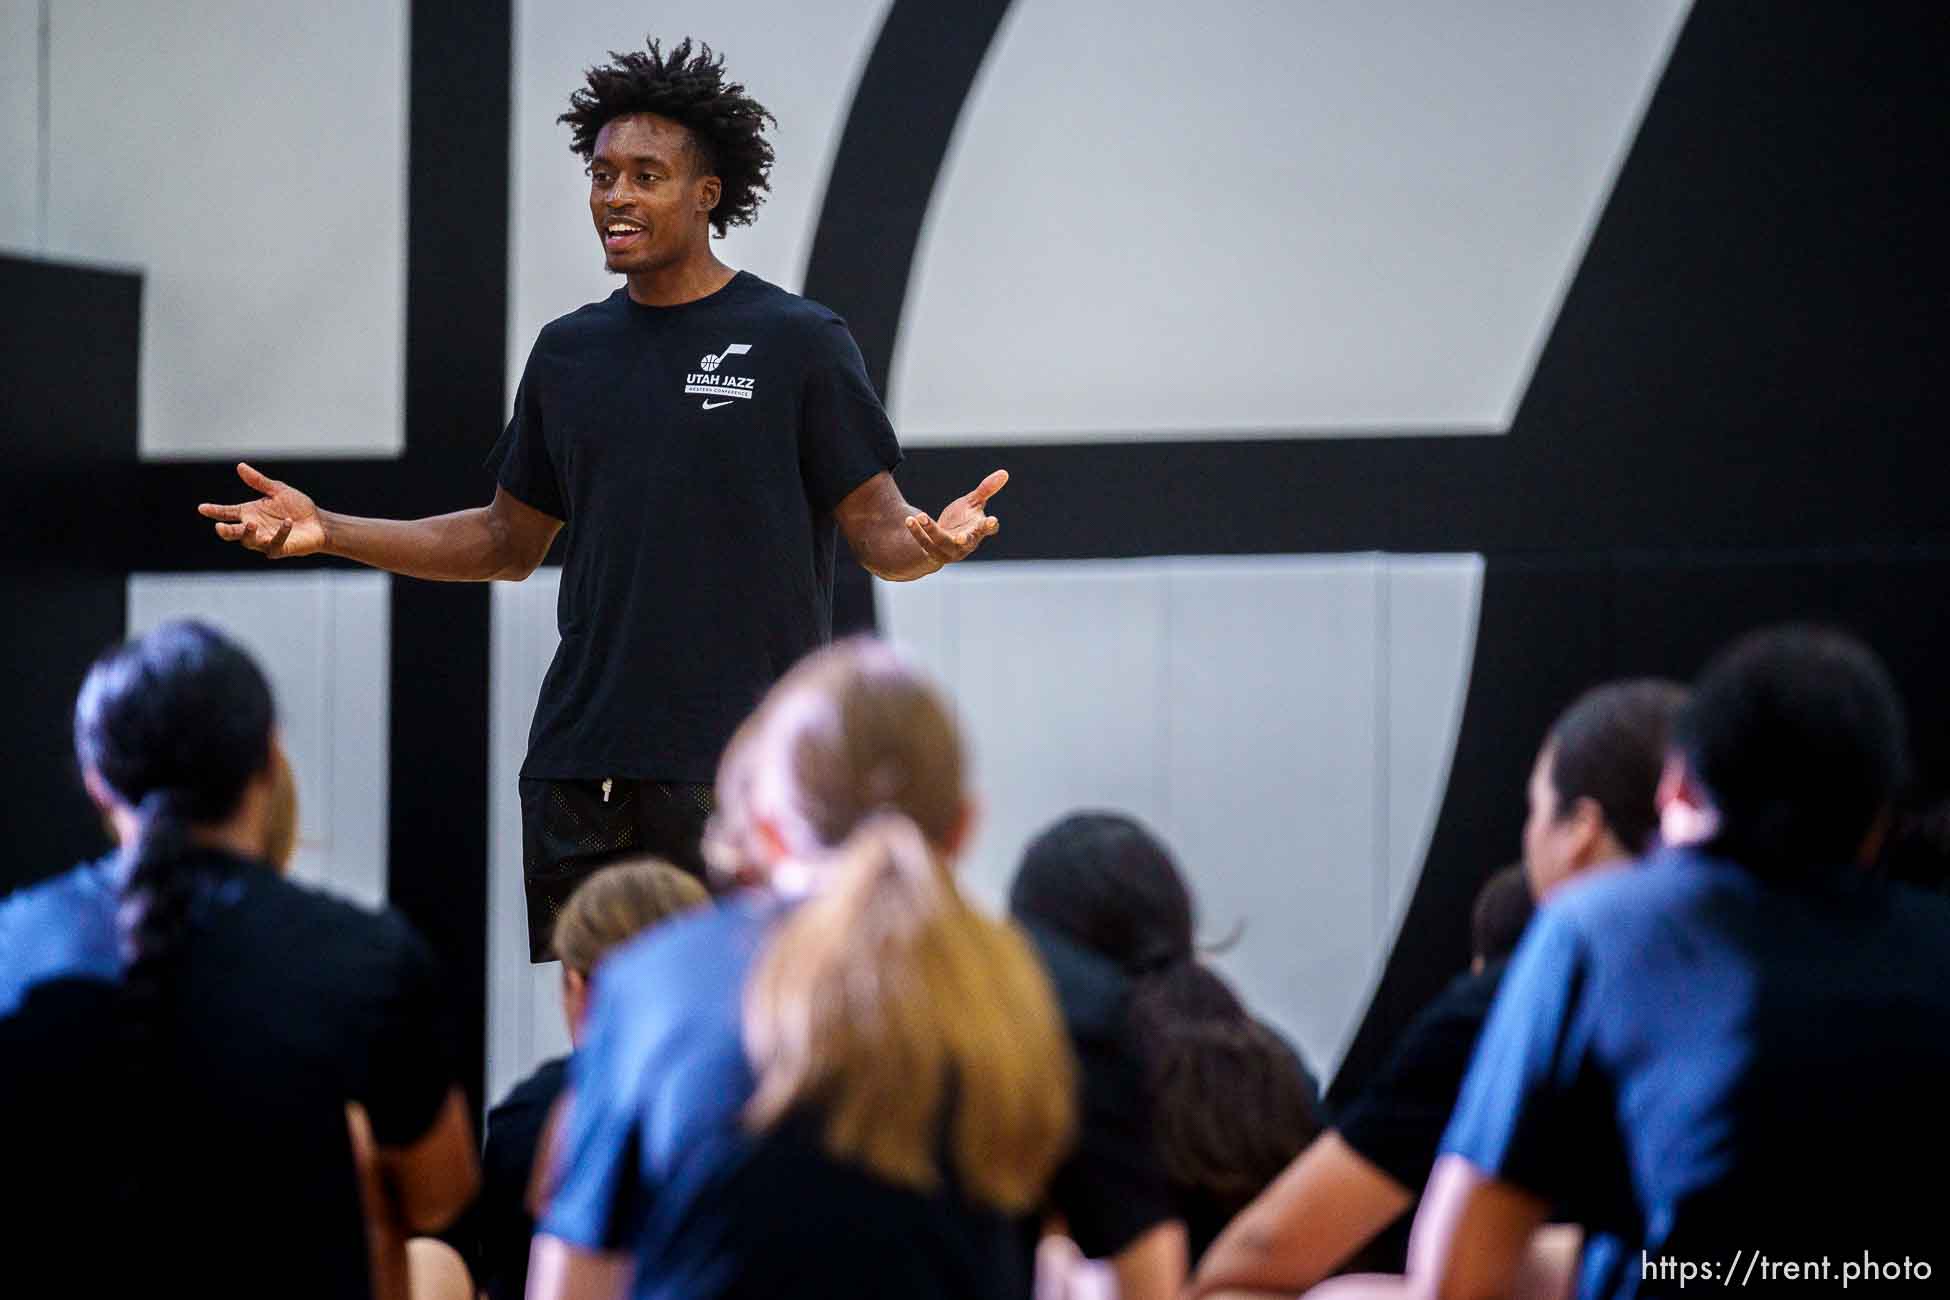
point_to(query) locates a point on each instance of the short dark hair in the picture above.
(1796, 736)
(1502, 910)
(727, 126)
(1106, 883)
(1610, 747)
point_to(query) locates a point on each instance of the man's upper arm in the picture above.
(522, 532)
(845, 438)
(521, 460)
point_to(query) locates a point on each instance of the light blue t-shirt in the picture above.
(655, 1158)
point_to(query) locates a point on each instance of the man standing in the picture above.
(704, 434)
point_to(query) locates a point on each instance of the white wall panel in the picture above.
(525, 1024)
(1285, 722)
(1432, 603)
(20, 98)
(323, 639)
(1059, 676)
(250, 159)
(1238, 217)
(1272, 757)
(800, 61)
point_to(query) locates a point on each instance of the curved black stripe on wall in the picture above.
(1727, 426)
(884, 172)
(1738, 415)
(91, 512)
(1742, 371)
(896, 134)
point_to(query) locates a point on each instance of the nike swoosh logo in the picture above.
(712, 406)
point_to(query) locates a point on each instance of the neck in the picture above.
(698, 275)
(239, 837)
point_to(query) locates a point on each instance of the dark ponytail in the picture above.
(1232, 1102)
(175, 725)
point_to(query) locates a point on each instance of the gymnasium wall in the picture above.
(1373, 378)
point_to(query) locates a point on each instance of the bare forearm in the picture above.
(890, 551)
(466, 546)
(1325, 1206)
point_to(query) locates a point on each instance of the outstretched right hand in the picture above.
(281, 523)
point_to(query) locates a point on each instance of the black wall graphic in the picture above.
(1738, 417)
(95, 515)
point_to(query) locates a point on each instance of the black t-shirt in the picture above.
(696, 453)
(1206, 1211)
(217, 1157)
(514, 1133)
(1112, 1188)
(1398, 1120)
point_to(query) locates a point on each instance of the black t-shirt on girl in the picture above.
(215, 1159)
(696, 453)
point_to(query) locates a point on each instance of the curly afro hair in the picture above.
(727, 126)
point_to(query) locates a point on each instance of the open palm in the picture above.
(282, 523)
(962, 526)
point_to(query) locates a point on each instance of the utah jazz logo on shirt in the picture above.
(708, 383)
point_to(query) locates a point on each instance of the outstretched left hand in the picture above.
(963, 525)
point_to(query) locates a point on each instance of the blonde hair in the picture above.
(618, 903)
(886, 1002)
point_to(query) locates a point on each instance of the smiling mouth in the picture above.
(617, 235)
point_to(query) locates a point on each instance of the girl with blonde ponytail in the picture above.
(846, 1081)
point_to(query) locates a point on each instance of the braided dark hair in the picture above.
(176, 724)
(727, 126)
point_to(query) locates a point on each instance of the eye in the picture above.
(644, 178)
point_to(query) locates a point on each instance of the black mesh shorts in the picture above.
(570, 828)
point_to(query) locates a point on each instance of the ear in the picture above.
(575, 1000)
(771, 843)
(1686, 815)
(1871, 848)
(962, 831)
(1592, 840)
(709, 191)
(1672, 782)
(280, 807)
(98, 792)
